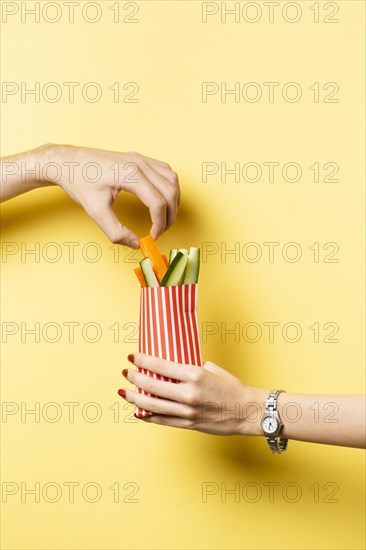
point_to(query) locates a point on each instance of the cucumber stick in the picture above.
(193, 267)
(183, 251)
(148, 272)
(172, 254)
(176, 269)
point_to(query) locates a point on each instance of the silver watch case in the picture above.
(279, 424)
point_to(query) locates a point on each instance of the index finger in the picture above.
(163, 367)
(152, 198)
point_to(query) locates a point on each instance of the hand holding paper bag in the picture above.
(208, 399)
(168, 327)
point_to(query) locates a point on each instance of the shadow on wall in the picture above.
(250, 457)
(35, 208)
(242, 361)
(43, 206)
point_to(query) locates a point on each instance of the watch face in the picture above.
(270, 424)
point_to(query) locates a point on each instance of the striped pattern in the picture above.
(168, 328)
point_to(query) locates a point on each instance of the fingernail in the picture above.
(134, 244)
(122, 393)
(124, 372)
(130, 358)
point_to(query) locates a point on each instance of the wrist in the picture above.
(45, 158)
(58, 164)
(32, 167)
(253, 409)
(26, 171)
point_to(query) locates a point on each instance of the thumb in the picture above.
(112, 227)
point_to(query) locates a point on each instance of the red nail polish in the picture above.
(130, 358)
(122, 393)
(124, 372)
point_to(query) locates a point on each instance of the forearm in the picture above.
(212, 400)
(23, 172)
(330, 419)
(93, 178)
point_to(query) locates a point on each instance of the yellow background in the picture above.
(169, 53)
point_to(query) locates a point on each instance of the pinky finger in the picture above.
(172, 421)
(155, 405)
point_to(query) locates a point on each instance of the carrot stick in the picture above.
(165, 260)
(140, 276)
(150, 250)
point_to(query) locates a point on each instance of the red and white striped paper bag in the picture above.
(168, 328)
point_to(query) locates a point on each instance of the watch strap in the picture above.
(276, 444)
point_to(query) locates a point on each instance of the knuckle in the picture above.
(154, 407)
(159, 204)
(133, 158)
(116, 237)
(193, 396)
(196, 375)
(172, 192)
(133, 154)
(173, 176)
(190, 424)
(191, 414)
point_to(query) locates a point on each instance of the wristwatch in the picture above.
(272, 425)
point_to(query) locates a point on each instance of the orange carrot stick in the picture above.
(140, 276)
(150, 250)
(165, 260)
